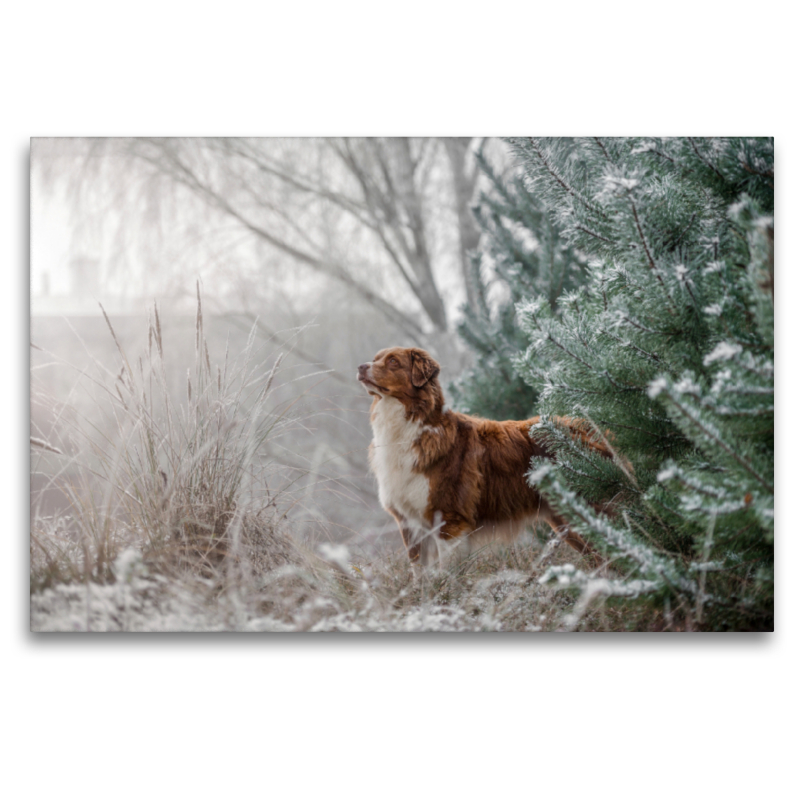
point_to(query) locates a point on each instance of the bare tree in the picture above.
(392, 199)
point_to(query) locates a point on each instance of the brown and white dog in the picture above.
(451, 481)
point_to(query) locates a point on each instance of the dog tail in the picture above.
(595, 439)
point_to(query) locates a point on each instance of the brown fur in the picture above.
(475, 467)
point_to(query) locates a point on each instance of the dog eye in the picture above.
(393, 362)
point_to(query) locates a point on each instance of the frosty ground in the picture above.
(493, 591)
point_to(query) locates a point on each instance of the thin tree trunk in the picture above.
(469, 235)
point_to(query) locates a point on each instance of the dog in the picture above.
(452, 481)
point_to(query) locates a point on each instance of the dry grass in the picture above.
(185, 483)
(494, 591)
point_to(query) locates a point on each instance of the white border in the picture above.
(485, 715)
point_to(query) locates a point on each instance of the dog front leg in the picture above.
(410, 539)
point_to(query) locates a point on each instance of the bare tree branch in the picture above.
(184, 175)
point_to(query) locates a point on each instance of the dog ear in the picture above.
(423, 368)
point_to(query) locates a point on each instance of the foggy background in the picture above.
(332, 248)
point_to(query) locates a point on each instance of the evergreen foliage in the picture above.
(522, 255)
(668, 352)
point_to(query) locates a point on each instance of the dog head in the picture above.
(400, 372)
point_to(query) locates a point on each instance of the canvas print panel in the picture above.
(417, 385)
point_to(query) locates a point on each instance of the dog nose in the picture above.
(362, 369)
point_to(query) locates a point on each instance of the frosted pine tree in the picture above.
(668, 352)
(522, 255)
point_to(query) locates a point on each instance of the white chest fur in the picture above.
(392, 459)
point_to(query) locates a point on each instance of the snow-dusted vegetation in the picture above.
(493, 591)
(312, 595)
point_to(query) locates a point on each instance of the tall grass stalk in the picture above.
(185, 483)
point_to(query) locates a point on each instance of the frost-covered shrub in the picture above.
(669, 346)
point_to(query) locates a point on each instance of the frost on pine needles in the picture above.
(667, 344)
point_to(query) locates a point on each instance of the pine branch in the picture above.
(715, 437)
(650, 260)
(562, 182)
(703, 160)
